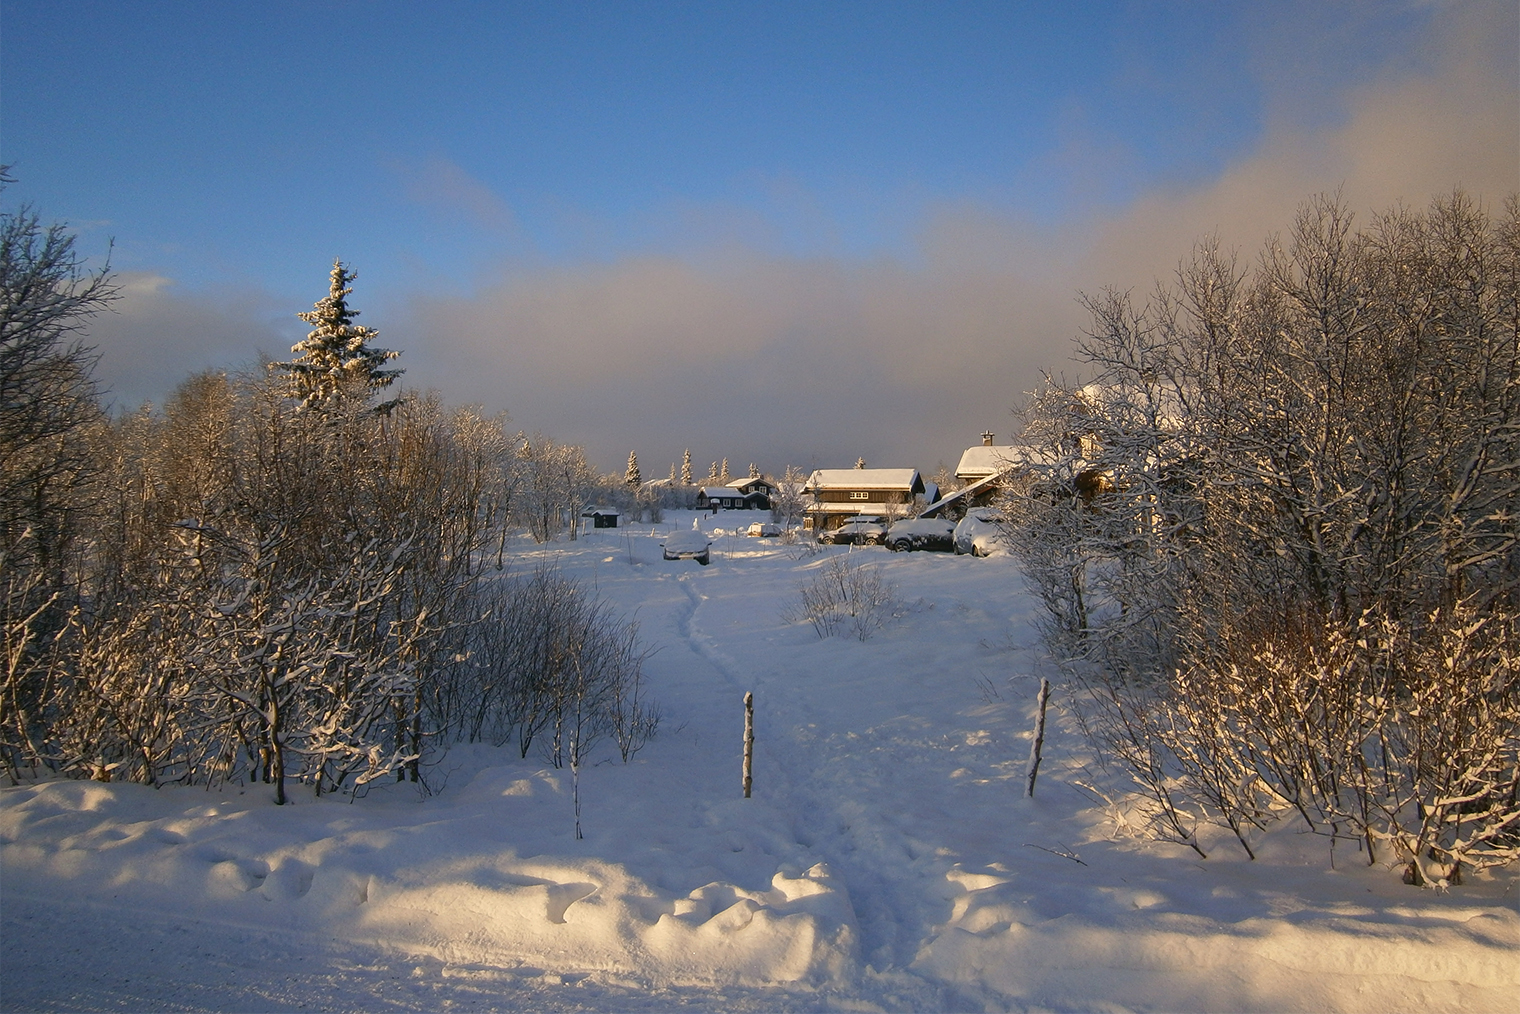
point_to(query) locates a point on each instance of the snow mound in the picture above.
(1006, 937)
(415, 890)
(597, 917)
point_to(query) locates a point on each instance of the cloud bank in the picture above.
(817, 361)
(155, 336)
(739, 351)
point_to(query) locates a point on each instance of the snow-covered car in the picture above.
(978, 533)
(764, 530)
(859, 531)
(922, 533)
(688, 545)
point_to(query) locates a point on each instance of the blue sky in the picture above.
(779, 232)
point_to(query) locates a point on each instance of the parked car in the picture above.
(688, 545)
(861, 530)
(764, 530)
(979, 532)
(922, 533)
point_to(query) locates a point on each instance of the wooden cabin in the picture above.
(839, 494)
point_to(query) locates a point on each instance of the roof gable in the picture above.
(981, 461)
(750, 483)
(866, 478)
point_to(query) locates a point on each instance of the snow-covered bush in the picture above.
(276, 593)
(284, 580)
(548, 662)
(789, 501)
(845, 597)
(1276, 533)
(49, 424)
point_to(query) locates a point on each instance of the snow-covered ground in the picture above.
(886, 861)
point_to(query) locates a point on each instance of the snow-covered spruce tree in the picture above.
(686, 467)
(754, 470)
(336, 360)
(712, 472)
(631, 477)
(1280, 522)
(723, 473)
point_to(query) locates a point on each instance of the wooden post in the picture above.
(749, 739)
(1039, 741)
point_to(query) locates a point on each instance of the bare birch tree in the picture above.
(1277, 532)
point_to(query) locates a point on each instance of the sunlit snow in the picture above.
(886, 860)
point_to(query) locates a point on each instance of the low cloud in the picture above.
(783, 359)
(768, 359)
(1402, 138)
(154, 335)
(746, 352)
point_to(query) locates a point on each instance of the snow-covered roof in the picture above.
(977, 486)
(864, 478)
(591, 512)
(981, 461)
(714, 492)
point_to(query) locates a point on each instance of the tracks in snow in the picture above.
(839, 786)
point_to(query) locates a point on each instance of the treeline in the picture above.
(284, 575)
(1276, 534)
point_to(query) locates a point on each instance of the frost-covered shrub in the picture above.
(846, 597)
(549, 662)
(278, 578)
(275, 593)
(1405, 742)
(1276, 534)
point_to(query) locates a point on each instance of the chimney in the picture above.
(986, 438)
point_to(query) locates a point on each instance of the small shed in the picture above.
(601, 517)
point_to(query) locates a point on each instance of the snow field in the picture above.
(886, 861)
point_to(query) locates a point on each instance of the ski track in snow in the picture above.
(886, 862)
(840, 818)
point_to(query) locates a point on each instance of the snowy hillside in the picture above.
(886, 861)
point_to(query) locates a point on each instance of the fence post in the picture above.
(749, 739)
(1039, 741)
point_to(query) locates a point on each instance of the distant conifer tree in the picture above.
(632, 477)
(860, 462)
(336, 358)
(723, 475)
(672, 473)
(686, 468)
(754, 470)
(712, 472)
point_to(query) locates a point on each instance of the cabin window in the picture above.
(860, 496)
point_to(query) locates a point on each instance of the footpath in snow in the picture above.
(885, 862)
